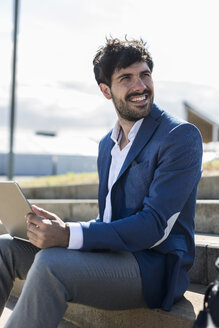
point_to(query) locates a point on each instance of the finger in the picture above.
(33, 239)
(35, 231)
(43, 213)
(37, 238)
(33, 228)
(34, 219)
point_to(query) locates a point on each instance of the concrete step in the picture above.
(182, 314)
(208, 189)
(70, 209)
(71, 191)
(10, 307)
(207, 251)
(207, 216)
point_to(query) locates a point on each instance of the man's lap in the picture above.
(109, 280)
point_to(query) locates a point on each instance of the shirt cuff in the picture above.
(76, 235)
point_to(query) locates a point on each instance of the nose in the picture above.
(139, 85)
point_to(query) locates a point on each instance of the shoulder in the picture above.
(183, 140)
(182, 130)
(106, 137)
(106, 142)
(175, 136)
(175, 126)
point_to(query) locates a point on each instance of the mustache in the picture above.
(136, 94)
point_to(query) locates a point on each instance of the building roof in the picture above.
(210, 117)
(27, 142)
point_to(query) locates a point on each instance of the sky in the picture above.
(58, 39)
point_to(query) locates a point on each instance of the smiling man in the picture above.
(140, 248)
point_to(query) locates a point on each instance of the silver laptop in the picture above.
(13, 209)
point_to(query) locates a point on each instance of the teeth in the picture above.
(139, 98)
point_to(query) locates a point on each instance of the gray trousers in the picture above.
(54, 276)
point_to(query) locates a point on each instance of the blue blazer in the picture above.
(153, 205)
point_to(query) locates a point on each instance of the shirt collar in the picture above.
(117, 131)
(116, 134)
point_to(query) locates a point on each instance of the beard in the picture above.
(126, 109)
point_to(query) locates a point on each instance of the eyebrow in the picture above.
(123, 75)
(130, 74)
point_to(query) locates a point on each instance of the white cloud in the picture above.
(58, 39)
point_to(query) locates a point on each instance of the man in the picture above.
(138, 251)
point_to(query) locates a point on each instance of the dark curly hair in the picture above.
(117, 54)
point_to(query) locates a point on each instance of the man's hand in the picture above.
(45, 229)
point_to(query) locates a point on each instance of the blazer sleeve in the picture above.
(177, 174)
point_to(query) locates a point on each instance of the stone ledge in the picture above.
(70, 209)
(182, 314)
(207, 249)
(208, 189)
(207, 216)
(73, 191)
(207, 239)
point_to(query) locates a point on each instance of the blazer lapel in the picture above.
(149, 125)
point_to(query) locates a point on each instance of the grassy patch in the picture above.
(62, 179)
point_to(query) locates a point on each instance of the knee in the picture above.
(44, 263)
(43, 274)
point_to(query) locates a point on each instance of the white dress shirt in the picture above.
(118, 158)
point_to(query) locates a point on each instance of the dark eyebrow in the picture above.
(124, 75)
(146, 71)
(130, 74)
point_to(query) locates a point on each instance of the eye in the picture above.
(147, 74)
(125, 77)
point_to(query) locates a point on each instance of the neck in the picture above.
(126, 127)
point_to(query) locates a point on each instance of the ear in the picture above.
(105, 89)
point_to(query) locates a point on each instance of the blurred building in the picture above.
(206, 122)
(38, 154)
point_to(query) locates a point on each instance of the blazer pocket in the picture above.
(138, 175)
(138, 166)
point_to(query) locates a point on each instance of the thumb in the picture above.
(42, 213)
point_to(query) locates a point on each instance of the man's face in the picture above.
(132, 91)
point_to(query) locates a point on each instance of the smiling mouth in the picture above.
(138, 98)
